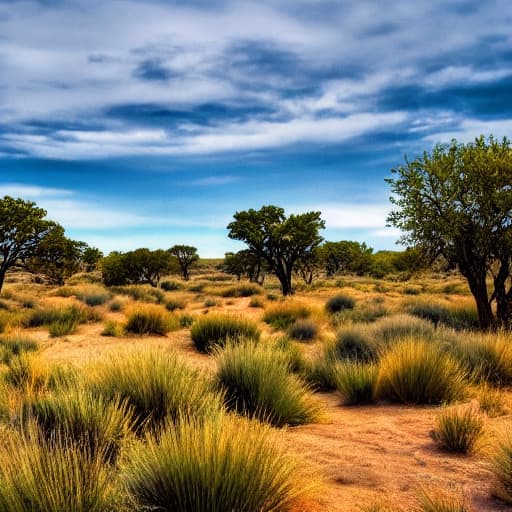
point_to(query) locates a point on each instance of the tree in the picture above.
(279, 240)
(186, 256)
(56, 256)
(456, 202)
(346, 256)
(141, 266)
(90, 258)
(22, 227)
(245, 263)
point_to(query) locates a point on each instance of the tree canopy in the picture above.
(187, 256)
(279, 240)
(457, 202)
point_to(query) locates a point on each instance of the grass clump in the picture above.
(491, 401)
(150, 319)
(458, 429)
(258, 382)
(41, 475)
(256, 302)
(215, 330)
(219, 464)
(283, 314)
(62, 327)
(353, 344)
(16, 344)
(502, 468)
(156, 386)
(242, 290)
(174, 304)
(141, 292)
(303, 330)
(27, 372)
(440, 501)
(339, 303)
(88, 420)
(355, 382)
(170, 286)
(419, 372)
(64, 315)
(113, 329)
(459, 317)
(394, 328)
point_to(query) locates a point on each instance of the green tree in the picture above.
(56, 256)
(245, 263)
(186, 256)
(91, 256)
(22, 227)
(346, 256)
(279, 240)
(456, 202)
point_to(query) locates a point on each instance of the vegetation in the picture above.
(355, 382)
(151, 319)
(283, 314)
(303, 330)
(187, 256)
(339, 303)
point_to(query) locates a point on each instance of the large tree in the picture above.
(187, 256)
(457, 202)
(22, 227)
(279, 240)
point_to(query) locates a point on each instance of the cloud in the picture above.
(468, 129)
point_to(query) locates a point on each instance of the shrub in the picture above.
(82, 418)
(116, 306)
(355, 382)
(321, 374)
(215, 330)
(173, 304)
(419, 372)
(297, 363)
(156, 385)
(222, 463)
(256, 302)
(460, 317)
(186, 320)
(150, 319)
(303, 330)
(15, 345)
(258, 382)
(62, 327)
(458, 430)
(41, 475)
(366, 313)
(67, 315)
(170, 286)
(141, 292)
(339, 303)
(113, 328)
(397, 327)
(242, 290)
(283, 314)
(92, 295)
(491, 401)
(353, 344)
(502, 468)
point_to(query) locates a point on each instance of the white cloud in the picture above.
(468, 129)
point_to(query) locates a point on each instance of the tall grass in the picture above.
(242, 290)
(355, 382)
(339, 303)
(15, 344)
(354, 344)
(82, 418)
(215, 330)
(141, 292)
(217, 465)
(436, 500)
(283, 314)
(303, 330)
(502, 467)
(458, 429)
(73, 314)
(419, 372)
(27, 372)
(157, 385)
(394, 328)
(258, 381)
(151, 319)
(42, 475)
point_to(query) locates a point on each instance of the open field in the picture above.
(379, 452)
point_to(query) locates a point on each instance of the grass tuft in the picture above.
(355, 382)
(339, 303)
(283, 314)
(303, 330)
(150, 319)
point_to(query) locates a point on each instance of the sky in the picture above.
(150, 123)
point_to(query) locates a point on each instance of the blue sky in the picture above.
(146, 124)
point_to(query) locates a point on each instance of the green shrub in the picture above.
(394, 328)
(284, 314)
(62, 327)
(419, 372)
(41, 475)
(150, 319)
(458, 429)
(186, 320)
(355, 382)
(141, 292)
(218, 464)
(82, 418)
(502, 468)
(339, 303)
(215, 330)
(113, 328)
(170, 286)
(156, 385)
(257, 380)
(242, 290)
(353, 344)
(303, 330)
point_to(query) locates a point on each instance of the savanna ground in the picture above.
(355, 457)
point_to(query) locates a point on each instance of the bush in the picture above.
(353, 344)
(458, 430)
(141, 292)
(186, 320)
(502, 468)
(41, 475)
(242, 290)
(355, 382)
(68, 315)
(82, 418)
(419, 372)
(491, 401)
(284, 314)
(256, 302)
(156, 385)
(210, 303)
(321, 374)
(113, 328)
(303, 330)
(339, 303)
(258, 382)
(215, 330)
(92, 295)
(296, 361)
(221, 463)
(173, 304)
(116, 306)
(170, 286)
(151, 319)
(391, 329)
(62, 327)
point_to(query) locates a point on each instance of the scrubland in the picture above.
(354, 394)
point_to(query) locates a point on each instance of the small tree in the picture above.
(22, 227)
(91, 256)
(279, 240)
(457, 202)
(346, 256)
(245, 263)
(187, 256)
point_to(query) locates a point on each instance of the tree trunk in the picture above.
(478, 288)
(503, 299)
(3, 271)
